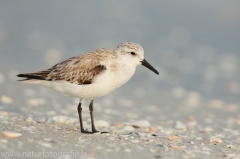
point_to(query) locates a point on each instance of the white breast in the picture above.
(110, 80)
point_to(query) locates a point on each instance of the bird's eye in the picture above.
(133, 53)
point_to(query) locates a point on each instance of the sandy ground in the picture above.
(182, 125)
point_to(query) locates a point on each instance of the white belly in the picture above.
(102, 85)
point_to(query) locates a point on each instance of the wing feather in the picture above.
(79, 69)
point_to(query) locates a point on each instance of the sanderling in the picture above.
(92, 75)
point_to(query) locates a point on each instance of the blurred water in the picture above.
(193, 44)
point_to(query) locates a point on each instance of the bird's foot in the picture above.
(93, 132)
(86, 132)
(101, 132)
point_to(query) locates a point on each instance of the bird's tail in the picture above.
(32, 76)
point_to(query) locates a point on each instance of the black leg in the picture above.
(79, 108)
(92, 119)
(91, 114)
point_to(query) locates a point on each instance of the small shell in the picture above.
(10, 134)
(174, 146)
(173, 138)
(153, 129)
(215, 140)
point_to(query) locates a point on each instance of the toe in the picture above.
(86, 132)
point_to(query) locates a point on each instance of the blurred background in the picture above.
(193, 44)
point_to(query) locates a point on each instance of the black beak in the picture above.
(146, 64)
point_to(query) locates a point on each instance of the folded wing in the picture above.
(79, 69)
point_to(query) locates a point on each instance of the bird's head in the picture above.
(133, 53)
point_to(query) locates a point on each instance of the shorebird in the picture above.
(91, 75)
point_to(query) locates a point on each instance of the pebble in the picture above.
(208, 129)
(215, 140)
(102, 123)
(118, 125)
(153, 150)
(206, 149)
(45, 144)
(46, 139)
(41, 119)
(153, 129)
(205, 152)
(231, 146)
(233, 156)
(142, 123)
(64, 119)
(136, 126)
(149, 136)
(168, 132)
(180, 125)
(29, 120)
(134, 141)
(11, 134)
(142, 134)
(174, 146)
(174, 138)
(134, 133)
(28, 129)
(105, 134)
(128, 128)
(6, 99)
(80, 139)
(124, 136)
